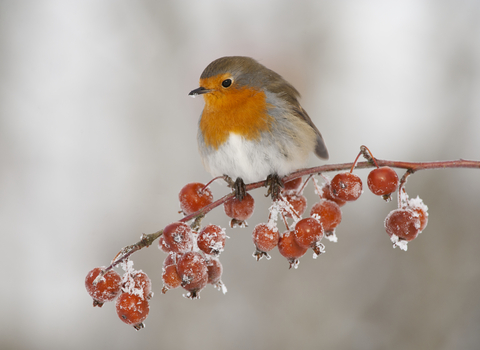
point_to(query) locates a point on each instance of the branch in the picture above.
(147, 240)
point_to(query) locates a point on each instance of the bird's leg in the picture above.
(274, 184)
(238, 186)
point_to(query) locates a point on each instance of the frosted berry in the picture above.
(142, 282)
(329, 214)
(308, 234)
(239, 210)
(178, 237)
(132, 309)
(214, 270)
(162, 245)
(211, 239)
(403, 223)
(107, 288)
(289, 248)
(382, 181)
(193, 197)
(417, 205)
(265, 239)
(170, 277)
(192, 269)
(346, 186)
(297, 202)
(292, 186)
(326, 193)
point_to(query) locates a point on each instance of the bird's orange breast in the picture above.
(242, 111)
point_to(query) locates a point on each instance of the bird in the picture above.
(252, 127)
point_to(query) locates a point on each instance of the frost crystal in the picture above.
(285, 206)
(127, 280)
(274, 210)
(331, 236)
(400, 243)
(418, 203)
(220, 286)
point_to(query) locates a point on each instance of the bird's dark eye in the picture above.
(226, 83)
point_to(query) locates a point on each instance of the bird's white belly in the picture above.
(251, 160)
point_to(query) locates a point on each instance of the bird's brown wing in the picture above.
(320, 147)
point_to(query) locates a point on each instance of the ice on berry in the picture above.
(400, 243)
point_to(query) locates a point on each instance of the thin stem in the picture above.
(355, 161)
(367, 154)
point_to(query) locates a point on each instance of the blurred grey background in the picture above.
(97, 136)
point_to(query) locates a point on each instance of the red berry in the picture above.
(143, 283)
(132, 309)
(239, 210)
(382, 181)
(403, 223)
(297, 201)
(327, 194)
(193, 272)
(214, 270)
(170, 277)
(211, 239)
(292, 185)
(193, 197)
(308, 232)
(289, 248)
(265, 238)
(346, 186)
(178, 237)
(162, 245)
(107, 288)
(417, 205)
(329, 214)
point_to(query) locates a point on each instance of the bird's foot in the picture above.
(238, 187)
(275, 185)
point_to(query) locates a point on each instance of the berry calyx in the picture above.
(193, 197)
(346, 186)
(106, 289)
(289, 248)
(211, 240)
(329, 214)
(239, 211)
(178, 237)
(265, 239)
(382, 181)
(132, 309)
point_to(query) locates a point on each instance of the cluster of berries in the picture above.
(402, 224)
(132, 292)
(192, 261)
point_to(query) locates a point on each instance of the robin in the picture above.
(253, 127)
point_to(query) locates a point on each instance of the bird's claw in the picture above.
(274, 184)
(238, 186)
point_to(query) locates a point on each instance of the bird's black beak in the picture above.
(200, 91)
